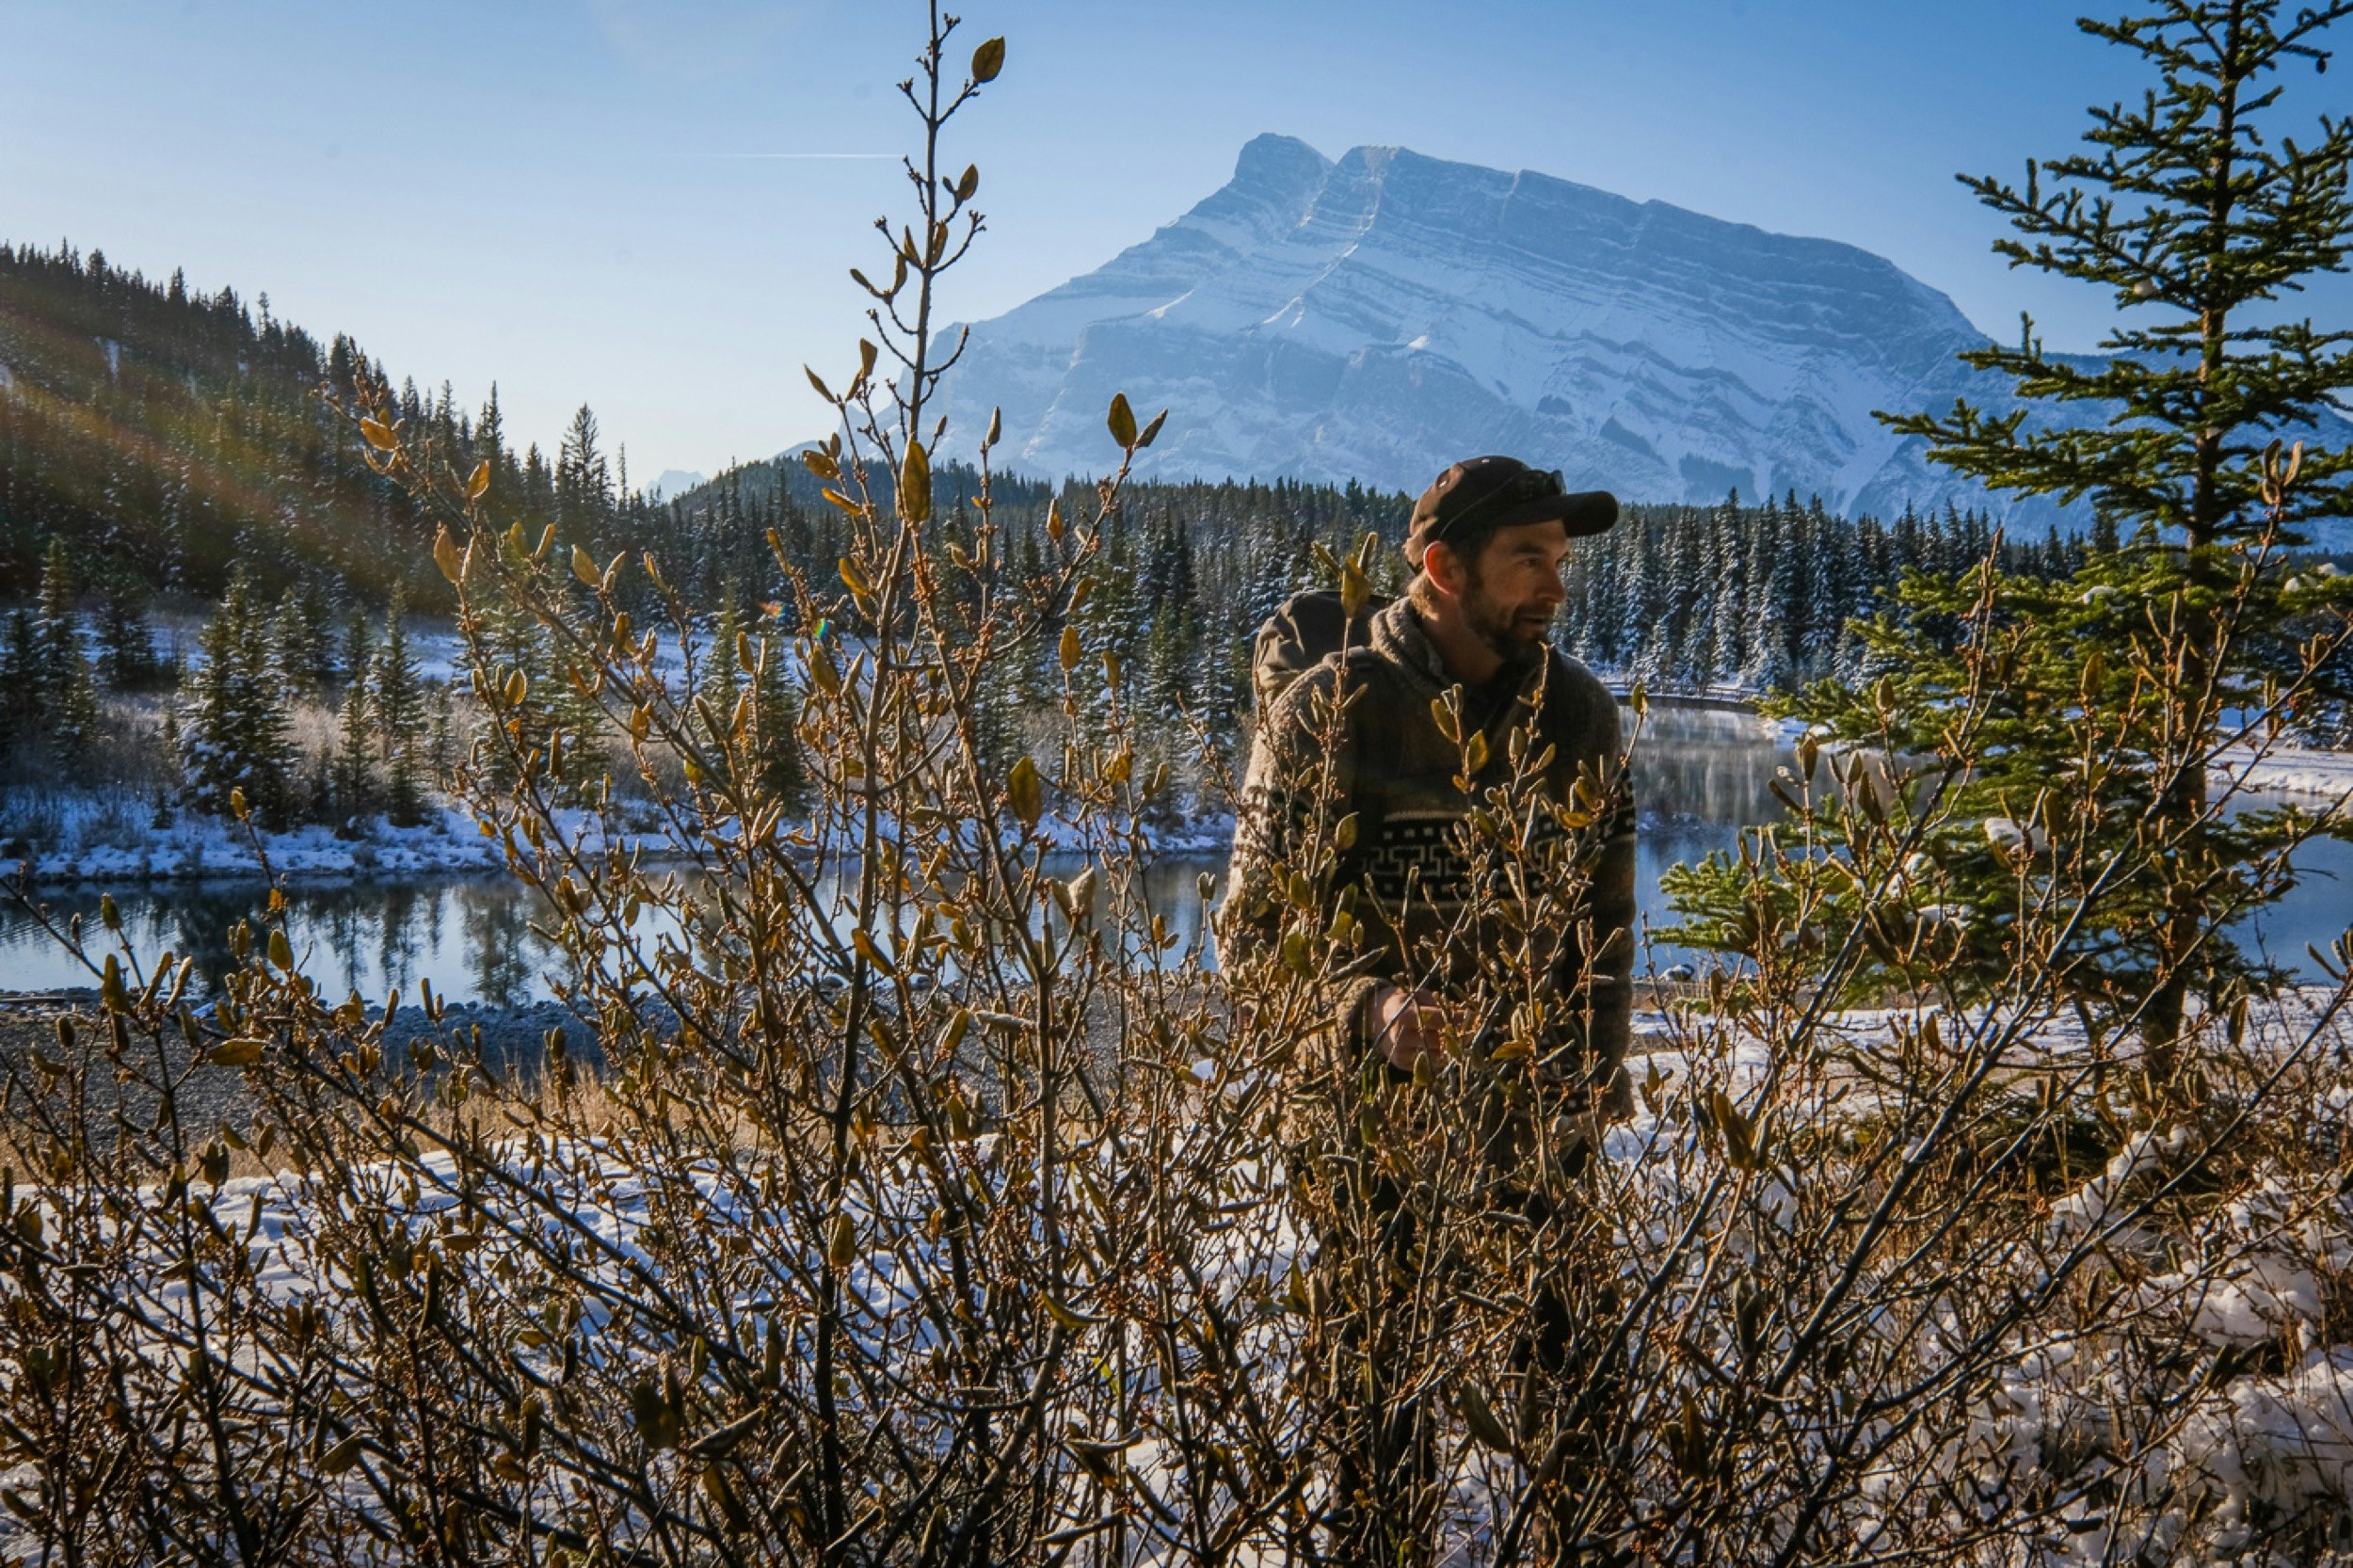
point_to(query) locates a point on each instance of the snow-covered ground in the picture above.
(2277, 768)
(2297, 771)
(88, 838)
(2272, 1438)
(92, 843)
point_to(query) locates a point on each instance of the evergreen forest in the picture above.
(164, 449)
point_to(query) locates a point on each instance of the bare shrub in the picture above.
(939, 1204)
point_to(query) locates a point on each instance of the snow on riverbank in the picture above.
(90, 838)
(90, 845)
(2296, 771)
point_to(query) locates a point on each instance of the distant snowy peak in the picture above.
(1377, 317)
(674, 481)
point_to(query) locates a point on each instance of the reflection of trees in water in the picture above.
(202, 914)
(396, 939)
(330, 930)
(436, 919)
(1698, 766)
(503, 955)
(1704, 766)
(1703, 773)
(372, 937)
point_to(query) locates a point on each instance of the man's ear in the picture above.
(1443, 568)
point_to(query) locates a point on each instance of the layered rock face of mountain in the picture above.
(1376, 317)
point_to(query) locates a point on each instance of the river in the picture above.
(1702, 775)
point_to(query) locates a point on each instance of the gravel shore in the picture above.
(516, 1036)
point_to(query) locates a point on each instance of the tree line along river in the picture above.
(1703, 773)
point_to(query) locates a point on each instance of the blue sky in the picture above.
(554, 194)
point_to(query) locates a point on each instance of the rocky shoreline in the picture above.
(514, 1036)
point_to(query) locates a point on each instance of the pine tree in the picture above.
(65, 695)
(400, 717)
(2198, 219)
(354, 783)
(20, 680)
(126, 654)
(236, 729)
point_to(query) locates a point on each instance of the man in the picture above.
(1488, 541)
(1440, 809)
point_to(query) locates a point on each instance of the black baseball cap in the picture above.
(1478, 495)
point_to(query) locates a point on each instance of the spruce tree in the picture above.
(74, 722)
(65, 695)
(293, 662)
(355, 764)
(57, 631)
(441, 744)
(400, 717)
(776, 739)
(235, 732)
(2191, 209)
(1774, 569)
(2105, 700)
(739, 661)
(584, 484)
(1730, 601)
(20, 680)
(720, 678)
(126, 654)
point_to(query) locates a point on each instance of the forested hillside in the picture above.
(161, 442)
(167, 435)
(164, 434)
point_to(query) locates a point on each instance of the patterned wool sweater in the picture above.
(1360, 724)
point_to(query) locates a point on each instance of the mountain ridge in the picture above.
(1377, 316)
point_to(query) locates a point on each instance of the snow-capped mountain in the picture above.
(674, 481)
(1378, 316)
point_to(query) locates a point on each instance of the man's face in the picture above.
(1511, 587)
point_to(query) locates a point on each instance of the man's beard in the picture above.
(1515, 642)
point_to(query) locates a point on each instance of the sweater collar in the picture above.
(1399, 635)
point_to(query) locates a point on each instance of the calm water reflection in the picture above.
(1700, 775)
(1704, 768)
(468, 935)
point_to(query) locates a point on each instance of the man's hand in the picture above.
(1406, 1025)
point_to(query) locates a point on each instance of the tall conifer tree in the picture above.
(65, 694)
(236, 733)
(354, 762)
(2110, 697)
(400, 714)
